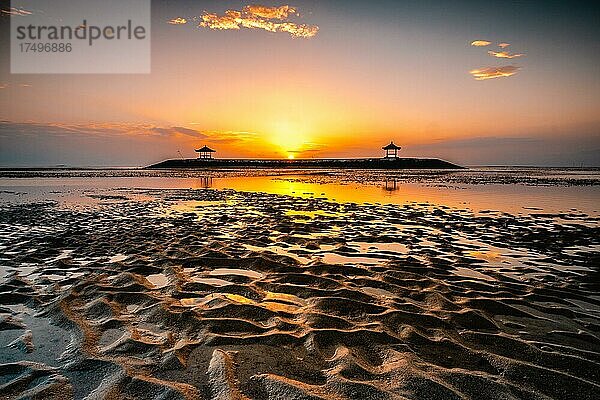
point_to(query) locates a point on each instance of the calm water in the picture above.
(515, 190)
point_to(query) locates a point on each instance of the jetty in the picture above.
(391, 160)
(349, 163)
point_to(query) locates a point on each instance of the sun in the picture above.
(288, 137)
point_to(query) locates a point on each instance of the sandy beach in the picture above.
(125, 291)
(314, 200)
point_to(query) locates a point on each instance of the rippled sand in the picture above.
(218, 294)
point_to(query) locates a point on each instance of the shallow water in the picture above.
(149, 286)
(516, 190)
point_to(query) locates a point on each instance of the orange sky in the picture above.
(362, 77)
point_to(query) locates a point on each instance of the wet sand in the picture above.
(224, 294)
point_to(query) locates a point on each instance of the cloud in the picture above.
(480, 43)
(259, 17)
(8, 84)
(481, 74)
(15, 11)
(281, 12)
(43, 144)
(177, 21)
(504, 54)
(231, 20)
(225, 137)
(98, 129)
(503, 45)
(178, 130)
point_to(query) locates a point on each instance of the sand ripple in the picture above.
(256, 296)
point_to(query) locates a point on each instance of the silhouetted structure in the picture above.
(350, 163)
(205, 152)
(391, 150)
(390, 161)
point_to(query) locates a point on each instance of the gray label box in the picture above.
(80, 37)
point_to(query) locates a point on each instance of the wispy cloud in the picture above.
(6, 85)
(177, 21)
(480, 43)
(504, 54)
(178, 130)
(214, 136)
(100, 129)
(485, 73)
(126, 143)
(259, 17)
(115, 130)
(481, 74)
(15, 11)
(230, 136)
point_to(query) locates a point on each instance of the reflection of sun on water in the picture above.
(486, 255)
(301, 186)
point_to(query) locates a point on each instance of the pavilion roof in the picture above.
(391, 146)
(205, 149)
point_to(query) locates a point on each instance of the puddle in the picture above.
(332, 258)
(280, 307)
(376, 292)
(238, 298)
(280, 251)
(290, 298)
(63, 254)
(118, 258)
(312, 214)
(211, 281)
(469, 273)
(197, 301)
(365, 247)
(158, 280)
(236, 271)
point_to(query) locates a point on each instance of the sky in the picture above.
(475, 83)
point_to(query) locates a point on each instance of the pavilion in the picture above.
(205, 153)
(391, 150)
